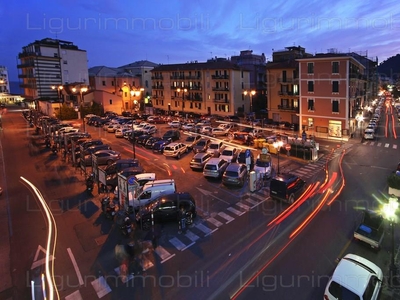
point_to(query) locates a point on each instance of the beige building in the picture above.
(212, 87)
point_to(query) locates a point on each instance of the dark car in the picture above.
(122, 164)
(191, 141)
(202, 145)
(112, 179)
(136, 134)
(151, 141)
(95, 148)
(242, 158)
(286, 187)
(159, 146)
(92, 142)
(166, 208)
(142, 139)
(174, 135)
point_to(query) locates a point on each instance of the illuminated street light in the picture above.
(278, 145)
(389, 211)
(183, 98)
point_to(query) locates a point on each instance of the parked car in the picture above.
(188, 126)
(215, 148)
(151, 141)
(199, 160)
(242, 158)
(263, 166)
(95, 148)
(112, 179)
(150, 129)
(370, 229)
(166, 208)
(174, 135)
(215, 168)
(235, 174)
(158, 147)
(369, 134)
(119, 133)
(354, 278)
(175, 150)
(191, 141)
(104, 157)
(229, 154)
(218, 132)
(174, 124)
(202, 145)
(122, 164)
(142, 139)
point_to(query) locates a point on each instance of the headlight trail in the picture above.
(50, 247)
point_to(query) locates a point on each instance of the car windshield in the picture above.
(263, 164)
(169, 148)
(210, 167)
(190, 139)
(196, 160)
(214, 146)
(227, 152)
(340, 292)
(201, 143)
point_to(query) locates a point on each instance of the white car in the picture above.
(150, 129)
(205, 130)
(120, 132)
(229, 154)
(112, 128)
(218, 132)
(140, 126)
(174, 124)
(263, 166)
(188, 126)
(369, 134)
(354, 278)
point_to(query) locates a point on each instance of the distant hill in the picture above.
(390, 67)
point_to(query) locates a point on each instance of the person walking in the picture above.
(182, 220)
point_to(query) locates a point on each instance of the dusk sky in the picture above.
(115, 33)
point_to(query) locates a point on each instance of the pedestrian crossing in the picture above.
(380, 144)
(199, 230)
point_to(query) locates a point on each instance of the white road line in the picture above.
(177, 243)
(394, 146)
(215, 222)
(372, 143)
(74, 296)
(205, 229)
(228, 218)
(190, 235)
(78, 273)
(379, 144)
(162, 253)
(101, 287)
(259, 197)
(251, 201)
(386, 145)
(191, 244)
(168, 258)
(242, 205)
(235, 211)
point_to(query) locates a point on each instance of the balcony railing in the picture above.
(177, 77)
(195, 98)
(157, 87)
(25, 76)
(196, 87)
(288, 93)
(220, 76)
(26, 65)
(221, 101)
(155, 77)
(287, 80)
(288, 108)
(193, 77)
(220, 88)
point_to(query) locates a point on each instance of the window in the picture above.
(335, 67)
(335, 86)
(311, 104)
(335, 106)
(104, 83)
(310, 85)
(310, 68)
(110, 101)
(65, 62)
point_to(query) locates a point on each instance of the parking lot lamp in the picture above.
(278, 145)
(389, 211)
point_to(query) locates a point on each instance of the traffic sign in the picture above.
(131, 180)
(247, 153)
(264, 150)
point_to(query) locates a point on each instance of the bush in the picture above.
(393, 181)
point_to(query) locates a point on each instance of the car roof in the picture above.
(214, 160)
(200, 154)
(233, 167)
(105, 151)
(352, 270)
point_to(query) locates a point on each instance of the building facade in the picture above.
(283, 85)
(255, 64)
(213, 87)
(332, 93)
(49, 63)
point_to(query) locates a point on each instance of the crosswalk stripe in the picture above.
(215, 222)
(177, 243)
(251, 201)
(259, 197)
(235, 211)
(386, 145)
(146, 263)
(163, 253)
(394, 146)
(101, 287)
(205, 229)
(379, 144)
(225, 216)
(74, 296)
(242, 205)
(193, 237)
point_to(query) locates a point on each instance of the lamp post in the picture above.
(389, 212)
(277, 146)
(59, 93)
(83, 90)
(251, 94)
(183, 99)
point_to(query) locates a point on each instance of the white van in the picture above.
(152, 190)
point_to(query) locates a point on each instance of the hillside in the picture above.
(390, 67)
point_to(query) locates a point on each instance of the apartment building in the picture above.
(48, 63)
(332, 90)
(4, 82)
(212, 87)
(283, 85)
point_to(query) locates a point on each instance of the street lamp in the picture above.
(389, 210)
(251, 94)
(183, 98)
(59, 94)
(83, 90)
(277, 146)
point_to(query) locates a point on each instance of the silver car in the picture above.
(104, 157)
(215, 168)
(199, 160)
(235, 174)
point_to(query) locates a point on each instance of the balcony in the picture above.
(26, 65)
(177, 77)
(158, 97)
(27, 85)
(157, 87)
(195, 98)
(28, 54)
(288, 93)
(220, 76)
(226, 101)
(25, 76)
(157, 77)
(287, 80)
(288, 108)
(193, 77)
(220, 89)
(196, 88)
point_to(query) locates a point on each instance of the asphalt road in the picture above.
(229, 241)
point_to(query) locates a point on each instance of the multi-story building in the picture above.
(332, 93)
(48, 63)
(283, 85)
(212, 87)
(255, 64)
(4, 82)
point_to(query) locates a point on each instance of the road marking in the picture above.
(78, 273)
(205, 229)
(394, 146)
(162, 253)
(125, 278)
(191, 244)
(251, 201)
(190, 235)
(74, 296)
(36, 263)
(226, 217)
(177, 243)
(386, 145)
(372, 143)
(379, 144)
(259, 197)
(146, 263)
(244, 206)
(215, 222)
(344, 249)
(235, 211)
(101, 287)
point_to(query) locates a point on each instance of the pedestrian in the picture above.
(182, 220)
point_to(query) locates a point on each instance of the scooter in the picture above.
(110, 211)
(126, 227)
